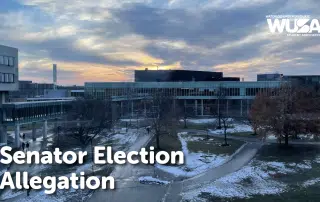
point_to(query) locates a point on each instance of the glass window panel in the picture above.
(1, 60)
(10, 61)
(11, 80)
(6, 60)
(6, 78)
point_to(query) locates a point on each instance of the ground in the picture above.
(120, 140)
(241, 172)
(201, 153)
(274, 174)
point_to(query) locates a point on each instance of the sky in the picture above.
(105, 40)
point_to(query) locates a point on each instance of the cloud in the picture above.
(105, 40)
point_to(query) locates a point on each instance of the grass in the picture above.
(295, 191)
(243, 134)
(168, 143)
(213, 145)
(200, 126)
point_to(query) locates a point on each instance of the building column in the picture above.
(3, 135)
(247, 107)
(201, 107)
(121, 108)
(227, 108)
(132, 109)
(17, 136)
(241, 113)
(45, 130)
(145, 108)
(196, 107)
(174, 106)
(34, 130)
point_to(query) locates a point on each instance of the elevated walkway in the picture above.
(15, 114)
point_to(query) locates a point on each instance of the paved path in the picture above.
(239, 159)
(128, 188)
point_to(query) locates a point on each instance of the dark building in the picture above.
(296, 80)
(179, 75)
(303, 80)
(269, 77)
(27, 89)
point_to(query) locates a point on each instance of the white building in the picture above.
(9, 74)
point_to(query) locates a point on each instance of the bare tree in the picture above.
(286, 113)
(220, 96)
(86, 119)
(184, 114)
(225, 122)
(163, 116)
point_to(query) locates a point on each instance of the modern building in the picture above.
(179, 75)
(269, 77)
(295, 80)
(201, 98)
(9, 74)
(303, 80)
(28, 89)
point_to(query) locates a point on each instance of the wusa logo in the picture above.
(294, 25)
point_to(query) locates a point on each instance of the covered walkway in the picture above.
(16, 114)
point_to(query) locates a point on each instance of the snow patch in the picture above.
(250, 180)
(317, 159)
(311, 182)
(9, 194)
(200, 121)
(125, 138)
(152, 180)
(83, 168)
(272, 137)
(132, 120)
(236, 128)
(195, 163)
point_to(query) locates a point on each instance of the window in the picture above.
(1, 60)
(11, 61)
(6, 78)
(11, 80)
(6, 60)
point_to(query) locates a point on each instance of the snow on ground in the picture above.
(317, 159)
(38, 168)
(257, 178)
(272, 137)
(195, 163)
(250, 180)
(311, 182)
(306, 136)
(84, 167)
(132, 120)
(8, 194)
(2, 171)
(301, 136)
(200, 121)
(59, 196)
(236, 128)
(125, 138)
(152, 180)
